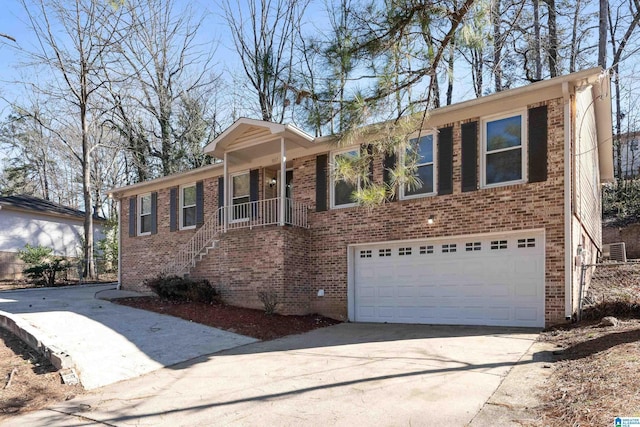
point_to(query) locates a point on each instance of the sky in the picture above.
(14, 22)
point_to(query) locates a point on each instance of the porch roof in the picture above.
(261, 137)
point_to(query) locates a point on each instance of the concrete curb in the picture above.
(23, 330)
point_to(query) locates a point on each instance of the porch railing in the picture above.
(243, 215)
(263, 212)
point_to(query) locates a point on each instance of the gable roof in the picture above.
(24, 202)
(245, 133)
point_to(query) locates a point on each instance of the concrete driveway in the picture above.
(106, 342)
(344, 375)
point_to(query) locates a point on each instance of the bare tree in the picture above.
(624, 21)
(162, 65)
(74, 37)
(265, 38)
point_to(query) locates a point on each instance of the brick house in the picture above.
(509, 208)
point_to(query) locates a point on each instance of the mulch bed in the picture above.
(244, 321)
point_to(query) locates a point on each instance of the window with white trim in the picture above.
(503, 150)
(421, 152)
(188, 206)
(240, 184)
(144, 214)
(341, 191)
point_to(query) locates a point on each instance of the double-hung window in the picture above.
(503, 150)
(188, 206)
(342, 191)
(144, 214)
(240, 196)
(420, 153)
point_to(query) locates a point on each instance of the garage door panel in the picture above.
(526, 314)
(473, 285)
(499, 313)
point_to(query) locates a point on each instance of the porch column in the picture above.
(225, 194)
(283, 179)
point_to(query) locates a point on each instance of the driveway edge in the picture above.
(23, 330)
(515, 400)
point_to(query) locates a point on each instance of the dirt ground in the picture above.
(34, 382)
(596, 376)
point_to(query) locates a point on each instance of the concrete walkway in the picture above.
(344, 375)
(106, 342)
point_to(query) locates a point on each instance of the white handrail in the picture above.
(243, 215)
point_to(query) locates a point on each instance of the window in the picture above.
(404, 251)
(473, 246)
(424, 250)
(503, 150)
(188, 206)
(527, 243)
(384, 252)
(498, 244)
(240, 196)
(365, 254)
(420, 151)
(144, 216)
(341, 191)
(450, 248)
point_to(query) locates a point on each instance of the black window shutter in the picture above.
(254, 180)
(254, 186)
(445, 161)
(470, 156)
(388, 164)
(321, 183)
(199, 203)
(369, 152)
(537, 140)
(154, 213)
(220, 198)
(133, 219)
(173, 209)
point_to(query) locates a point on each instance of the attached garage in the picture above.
(495, 279)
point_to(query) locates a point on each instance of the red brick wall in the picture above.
(297, 263)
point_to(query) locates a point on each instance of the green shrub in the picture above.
(42, 264)
(176, 288)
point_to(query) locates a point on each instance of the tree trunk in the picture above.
(602, 33)
(552, 51)
(497, 46)
(450, 73)
(536, 41)
(89, 266)
(574, 38)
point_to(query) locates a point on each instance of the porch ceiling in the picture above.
(250, 139)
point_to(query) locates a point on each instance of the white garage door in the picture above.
(489, 280)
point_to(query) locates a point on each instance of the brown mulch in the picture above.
(596, 377)
(244, 321)
(34, 384)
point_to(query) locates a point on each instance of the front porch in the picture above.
(256, 188)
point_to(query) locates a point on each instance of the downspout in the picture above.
(119, 245)
(568, 240)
